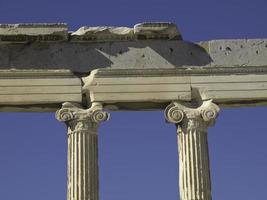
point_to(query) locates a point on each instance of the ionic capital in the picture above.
(192, 118)
(79, 119)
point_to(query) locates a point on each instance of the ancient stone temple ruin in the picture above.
(84, 74)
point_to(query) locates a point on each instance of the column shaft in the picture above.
(83, 182)
(83, 179)
(192, 125)
(194, 176)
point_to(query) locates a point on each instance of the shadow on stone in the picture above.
(84, 57)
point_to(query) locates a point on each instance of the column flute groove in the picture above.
(192, 125)
(83, 174)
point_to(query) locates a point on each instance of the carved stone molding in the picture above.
(192, 118)
(83, 183)
(192, 125)
(79, 119)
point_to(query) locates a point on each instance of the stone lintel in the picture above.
(237, 52)
(225, 85)
(152, 72)
(84, 57)
(38, 88)
(136, 89)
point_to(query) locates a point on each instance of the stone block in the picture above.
(161, 30)
(18, 33)
(119, 86)
(102, 33)
(237, 52)
(35, 87)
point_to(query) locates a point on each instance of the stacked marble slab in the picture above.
(59, 32)
(33, 32)
(37, 83)
(46, 64)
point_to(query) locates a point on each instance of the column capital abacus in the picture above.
(192, 118)
(79, 119)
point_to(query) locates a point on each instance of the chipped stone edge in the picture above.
(58, 32)
(39, 32)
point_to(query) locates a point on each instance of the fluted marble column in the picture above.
(83, 183)
(192, 125)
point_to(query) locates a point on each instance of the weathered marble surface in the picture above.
(192, 125)
(23, 33)
(39, 87)
(157, 31)
(148, 46)
(84, 57)
(225, 85)
(83, 181)
(26, 33)
(238, 52)
(102, 33)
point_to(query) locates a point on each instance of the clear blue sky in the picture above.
(138, 151)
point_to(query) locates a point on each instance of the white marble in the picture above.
(192, 125)
(83, 175)
(157, 30)
(39, 87)
(18, 33)
(102, 33)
